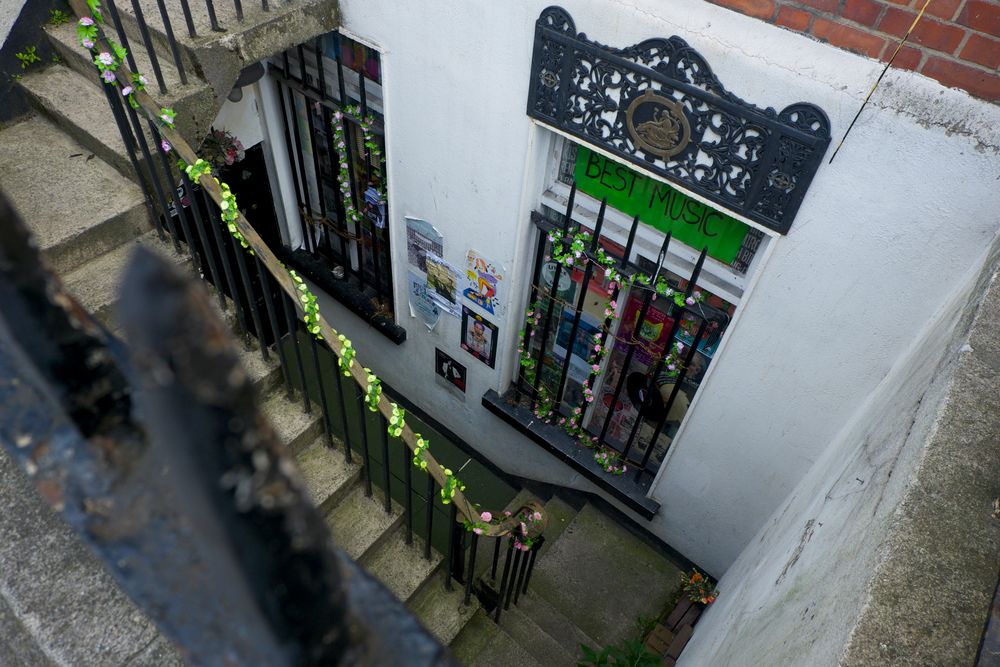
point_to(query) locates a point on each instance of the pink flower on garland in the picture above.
(126, 91)
(106, 58)
(537, 516)
(86, 20)
(595, 368)
(142, 80)
(108, 76)
(486, 516)
(87, 44)
(477, 531)
(689, 301)
(165, 145)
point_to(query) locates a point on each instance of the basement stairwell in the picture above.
(68, 172)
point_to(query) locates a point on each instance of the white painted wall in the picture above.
(880, 243)
(797, 591)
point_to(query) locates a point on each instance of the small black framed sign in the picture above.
(479, 337)
(449, 369)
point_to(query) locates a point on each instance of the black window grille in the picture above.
(627, 402)
(339, 174)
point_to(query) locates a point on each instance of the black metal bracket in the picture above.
(658, 105)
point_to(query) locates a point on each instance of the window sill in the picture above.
(344, 291)
(623, 488)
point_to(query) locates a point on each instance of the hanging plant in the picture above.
(222, 149)
(374, 391)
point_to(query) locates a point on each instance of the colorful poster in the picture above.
(484, 278)
(421, 304)
(479, 337)
(452, 371)
(442, 283)
(421, 238)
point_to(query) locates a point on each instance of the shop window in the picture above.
(621, 329)
(330, 96)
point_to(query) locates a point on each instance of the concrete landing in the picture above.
(76, 205)
(602, 578)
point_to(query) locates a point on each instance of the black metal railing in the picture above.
(628, 397)
(315, 88)
(186, 213)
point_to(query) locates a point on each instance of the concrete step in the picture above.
(76, 205)
(552, 623)
(559, 515)
(264, 374)
(532, 638)
(97, 283)
(443, 612)
(294, 428)
(329, 478)
(402, 567)
(501, 650)
(474, 637)
(359, 524)
(78, 107)
(195, 102)
(601, 577)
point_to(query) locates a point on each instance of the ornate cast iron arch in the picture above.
(659, 105)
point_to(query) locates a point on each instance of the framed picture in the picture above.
(479, 337)
(449, 369)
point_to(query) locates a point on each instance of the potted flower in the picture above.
(698, 588)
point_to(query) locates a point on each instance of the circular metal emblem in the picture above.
(657, 124)
(548, 79)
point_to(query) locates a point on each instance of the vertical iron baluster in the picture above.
(315, 156)
(302, 68)
(449, 559)
(264, 5)
(272, 318)
(643, 309)
(293, 329)
(221, 247)
(577, 314)
(341, 88)
(239, 9)
(520, 575)
(210, 6)
(291, 156)
(408, 501)
(531, 563)
(615, 293)
(307, 199)
(251, 302)
(181, 213)
(513, 575)
(352, 191)
(366, 467)
(429, 516)
(539, 365)
(496, 558)
(376, 260)
(342, 404)
(174, 50)
(154, 180)
(186, 9)
(199, 223)
(503, 580)
(385, 462)
(122, 37)
(471, 576)
(323, 404)
(148, 43)
(676, 313)
(535, 288)
(128, 139)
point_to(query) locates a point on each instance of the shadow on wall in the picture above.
(25, 32)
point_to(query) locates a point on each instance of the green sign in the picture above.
(659, 205)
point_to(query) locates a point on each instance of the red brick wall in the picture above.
(956, 42)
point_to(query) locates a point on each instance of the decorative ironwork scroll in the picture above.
(658, 104)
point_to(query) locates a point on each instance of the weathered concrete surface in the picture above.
(400, 566)
(443, 612)
(885, 552)
(68, 606)
(602, 578)
(77, 206)
(358, 523)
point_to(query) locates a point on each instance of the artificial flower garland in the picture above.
(351, 211)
